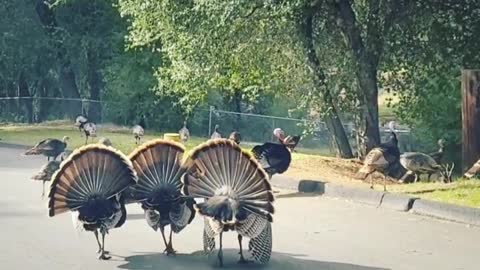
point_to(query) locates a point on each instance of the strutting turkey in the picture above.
(51, 148)
(90, 130)
(289, 141)
(46, 172)
(419, 163)
(235, 136)
(275, 158)
(80, 121)
(138, 131)
(381, 159)
(238, 196)
(473, 171)
(89, 183)
(184, 133)
(158, 164)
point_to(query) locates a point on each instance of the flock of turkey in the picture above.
(386, 158)
(229, 187)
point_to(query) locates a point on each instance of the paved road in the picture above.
(309, 233)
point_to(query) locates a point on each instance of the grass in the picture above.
(460, 192)
(304, 164)
(121, 138)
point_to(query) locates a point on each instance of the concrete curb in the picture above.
(392, 201)
(446, 211)
(365, 196)
(398, 202)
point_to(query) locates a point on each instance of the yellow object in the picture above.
(172, 136)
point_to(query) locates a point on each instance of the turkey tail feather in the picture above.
(364, 172)
(90, 172)
(473, 170)
(231, 180)
(158, 163)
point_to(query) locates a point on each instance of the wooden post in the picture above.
(470, 117)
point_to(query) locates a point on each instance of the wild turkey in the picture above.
(216, 133)
(381, 159)
(279, 134)
(473, 171)
(46, 172)
(419, 163)
(105, 141)
(438, 155)
(158, 164)
(275, 158)
(290, 141)
(90, 130)
(51, 148)
(139, 131)
(184, 133)
(235, 136)
(238, 196)
(89, 184)
(80, 121)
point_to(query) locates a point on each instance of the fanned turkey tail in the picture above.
(232, 181)
(89, 183)
(237, 193)
(158, 164)
(91, 173)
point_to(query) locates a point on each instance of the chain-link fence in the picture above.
(41, 109)
(254, 128)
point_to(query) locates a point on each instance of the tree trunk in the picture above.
(95, 83)
(67, 75)
(368, 85)
(43, 104)
(470, 117)
(366, 65)
(26, 102)
(332, 118)
(237, 101)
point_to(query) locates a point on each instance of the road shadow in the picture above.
(198, 261)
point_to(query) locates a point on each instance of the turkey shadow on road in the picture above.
(198, 261)
(135, 216)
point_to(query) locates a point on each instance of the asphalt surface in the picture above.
(309, 233)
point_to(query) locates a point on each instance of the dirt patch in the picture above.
(329, 169)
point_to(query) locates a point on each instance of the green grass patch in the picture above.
(121, 138)
(460, 192)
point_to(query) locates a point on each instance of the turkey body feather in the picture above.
(381, 159)
(274, 158)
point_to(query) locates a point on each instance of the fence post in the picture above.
(470, 117)
(210, 122)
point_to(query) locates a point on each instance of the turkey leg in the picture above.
(103, 253)
(242, 259)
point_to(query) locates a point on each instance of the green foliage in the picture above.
(426, 59)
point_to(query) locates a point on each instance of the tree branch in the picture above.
(347, 22)
(251, 12)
